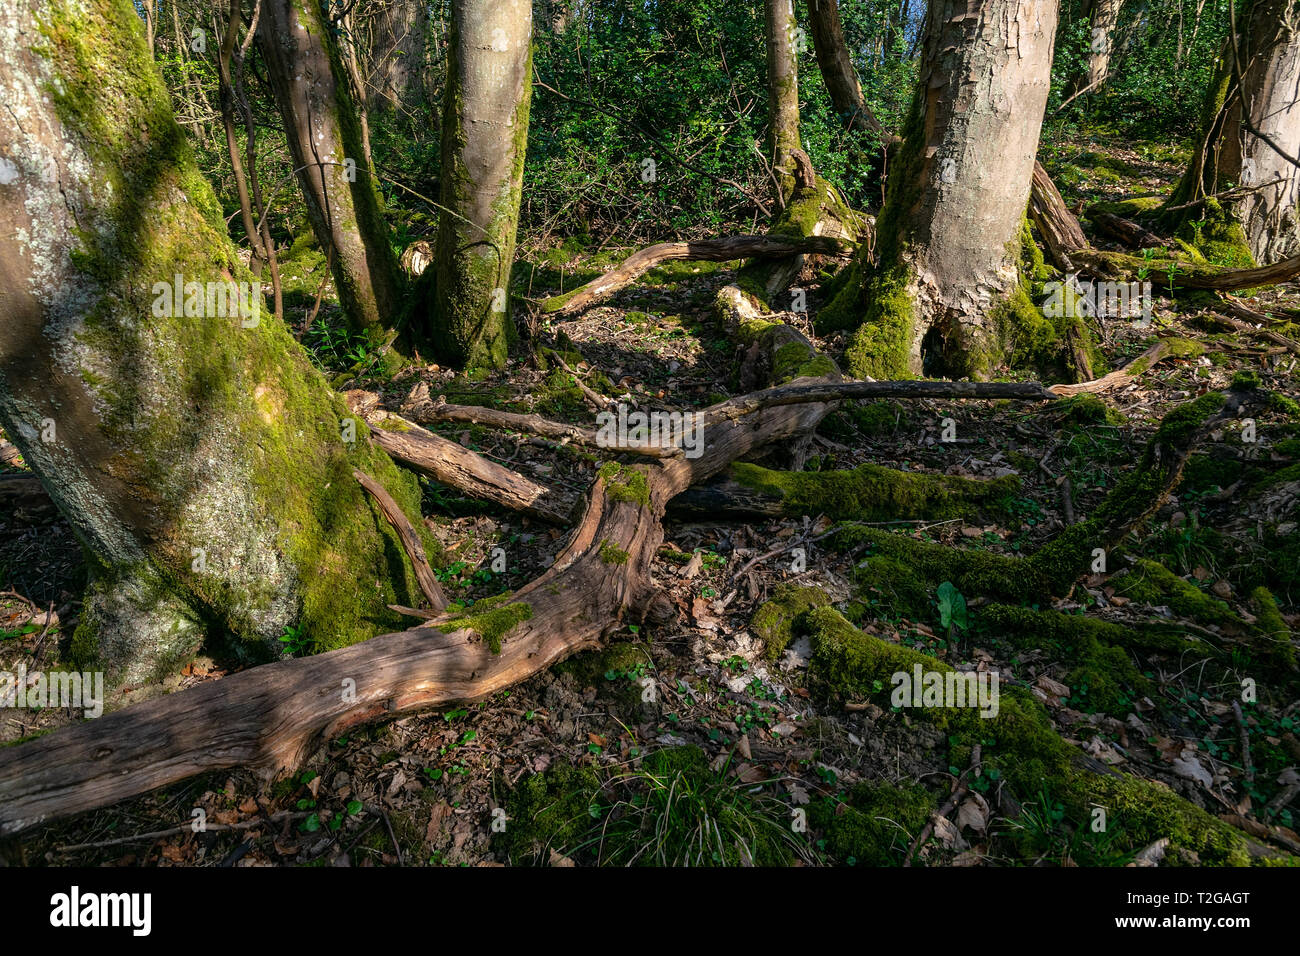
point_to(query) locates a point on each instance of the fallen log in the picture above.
(797, 393)
(703, 250)
(454, 465)
(422, 408)
(1059, 228)
(1125, 230)
(1120, 377)
(1244, 319)
(1182, 275)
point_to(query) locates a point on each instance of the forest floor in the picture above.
(726, 754)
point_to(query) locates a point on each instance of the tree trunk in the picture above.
(1241, 189)
(782, 92)
(310, 82)
(484, 135)
(946, 286)
(1104, 18)
(397, 56)
(1271, 96)
(837, 68)
(194, 449)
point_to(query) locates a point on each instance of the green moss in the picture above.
(611, 554)
(592, 668)
(1147, 811)
(1284, 404)
(877, 418)
(1085, 409)
(548, 811)
(874, 493)
(1023, 333)
(1019, 742)
(492, 624)
(1206, 473)
(889, 584)
(874, 824)
(1153, 583)
(1269, 623)
(972, 571)
(796, 360)
(1103, 678)
(1138, 208)
(881, 346)
(775, 620)
(625, 483)
(1246, 378)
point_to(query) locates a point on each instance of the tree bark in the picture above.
(1103, 19)
(1243, 180)
(396, 61)
(782, 92)
(195, 450)
(312, 92)
(484, 136)
(949, 233)
(1271, 97)
(269, 718)
(837, 69)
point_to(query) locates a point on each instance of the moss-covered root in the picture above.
(492, 619)
(1018, 741)
(1098, 653)
(1053, 568)
(134, 627)
(873, 492)
(775, 620)
(1275, 635)
(1152, 583)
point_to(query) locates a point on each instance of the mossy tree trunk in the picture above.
(321, 122)
(1241, 189)
(194, 449)
(949, 237)
(484, 136)
(397, 57)
(782, 91)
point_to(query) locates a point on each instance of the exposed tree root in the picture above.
(704, 250)
(866, 493)
(1248, 321)
(1060, 230)
(1052, 569)
(422, 408)
(454, 465)
(1125, 230)
(1165, 348)
(849, 665)
(270, 717)
(409, 537)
